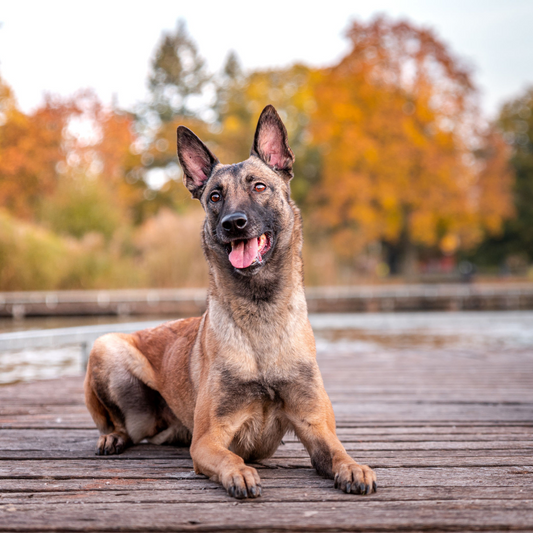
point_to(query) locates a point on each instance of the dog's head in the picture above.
(249, 217)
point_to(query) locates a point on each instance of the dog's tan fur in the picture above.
(232, 382)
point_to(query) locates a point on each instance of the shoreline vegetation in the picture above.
(398, 175)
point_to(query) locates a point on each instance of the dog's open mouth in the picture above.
(249, 252)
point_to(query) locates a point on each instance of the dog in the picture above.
(232, 382)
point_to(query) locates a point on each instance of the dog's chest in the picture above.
(238, 393)
(257, 409)
(271, 390)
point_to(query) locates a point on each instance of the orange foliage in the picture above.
(390, 147)
(31, 146)
(116, 154)
(64, 139)
(396, 123)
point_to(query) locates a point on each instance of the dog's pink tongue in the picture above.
(243, 253)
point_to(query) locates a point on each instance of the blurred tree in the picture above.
(178, 75)
(82, 205)
(104, 146)
(31, 149)
(34, 258)
(240, 99)
(120, 159)
(404, 159)
(232, 69)
(179, 89)
(516, 123)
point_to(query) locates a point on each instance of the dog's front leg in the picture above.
(211, 456)
(315, 427)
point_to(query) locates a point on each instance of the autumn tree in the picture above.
(241, 97)
(516, 240)
(61, 161)
(405, 160)
(31, 148)
(178, 84)
(94, 192)
(178, 75)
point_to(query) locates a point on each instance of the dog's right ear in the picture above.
(196, 160)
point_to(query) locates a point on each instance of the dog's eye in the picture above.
(259, 187)
(215, 197)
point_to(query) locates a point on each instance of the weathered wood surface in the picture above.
(448, 431)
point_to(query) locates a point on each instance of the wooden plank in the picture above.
(97, 492)
(61, 420)
(359, 433)
(150, 467)
(374, 459)
(83, 442)
(360, 412)
(148, 478)
(361, 512)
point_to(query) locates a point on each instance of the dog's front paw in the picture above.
(243, 482)
(356, 479)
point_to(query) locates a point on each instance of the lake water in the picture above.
(469, 334)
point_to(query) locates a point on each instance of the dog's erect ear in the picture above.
(196, 160)
(271, 143)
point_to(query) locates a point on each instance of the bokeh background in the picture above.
(412, 130)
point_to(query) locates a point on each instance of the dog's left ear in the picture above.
(271, 143)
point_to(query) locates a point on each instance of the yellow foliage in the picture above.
(33, 258)
(396, 124)
(170, 250)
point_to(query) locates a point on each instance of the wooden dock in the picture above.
(450, 436)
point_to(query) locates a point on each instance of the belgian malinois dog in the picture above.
(230, 383)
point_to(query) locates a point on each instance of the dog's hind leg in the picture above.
(124, 408)
(108, 419)
(107, 415)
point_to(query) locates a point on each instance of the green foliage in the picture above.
(169, 250)
(178, 73)
(82, 205)
(515, 243)
(30, 257)
(33, 258)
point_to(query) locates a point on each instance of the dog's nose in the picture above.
(234, 222)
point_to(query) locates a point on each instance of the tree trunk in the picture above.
(403, 254)
(409, 259)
